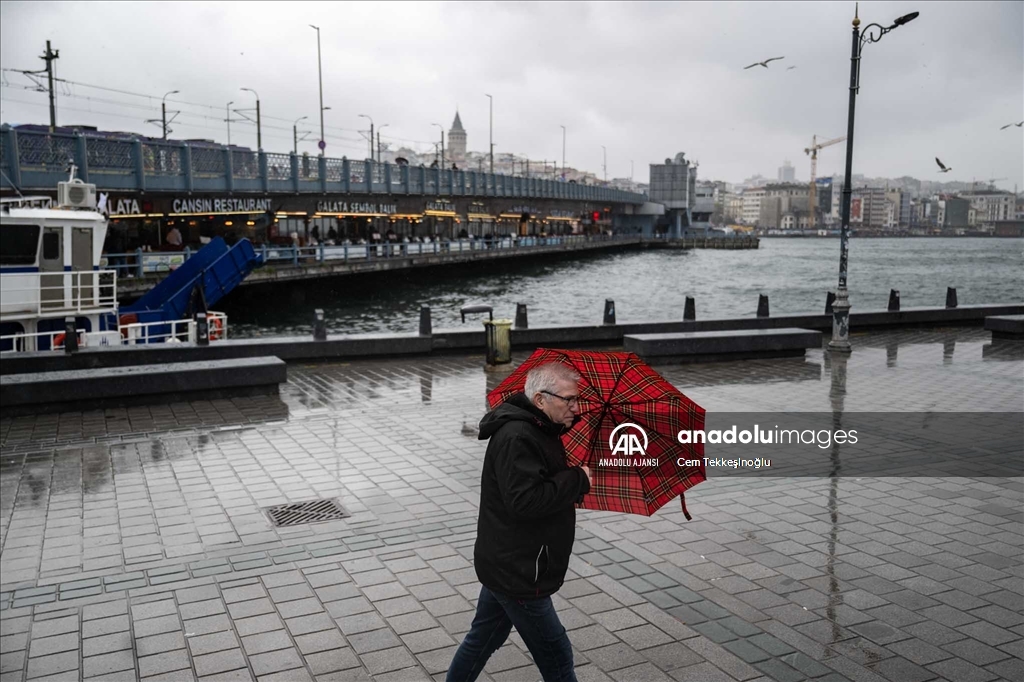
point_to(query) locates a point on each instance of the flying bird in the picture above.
(942, 168)
(790, 68)
(1012, 124)
(764, 63)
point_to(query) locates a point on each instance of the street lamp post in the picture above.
(872, 33)
(227, 112)
(259, 129)
(491, 125)
(295, 132)
(563, 152)
(371, 133)
(442, 141)
(163, 110)
(320, 75)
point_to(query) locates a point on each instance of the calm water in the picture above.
(646, 285)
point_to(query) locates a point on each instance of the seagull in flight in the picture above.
(790, 68)
(1012, 124)
(942, 168)
(764, 63)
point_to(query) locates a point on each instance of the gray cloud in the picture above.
(644, 79)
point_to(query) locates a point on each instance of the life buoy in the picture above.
(58, 341)
(127, 318)
(216, 328)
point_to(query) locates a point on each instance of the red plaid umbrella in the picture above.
(623, 403)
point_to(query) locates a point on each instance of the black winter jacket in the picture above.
(527, 518)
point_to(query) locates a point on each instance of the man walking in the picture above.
(526, 527)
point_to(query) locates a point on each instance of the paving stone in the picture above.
(902, 670)
(275, 661)
(387, 660)
(54, 626)
(44, 646)
(702, 672)
(411, 622)
(615, 656)
(779, 671)
(211, 643)
(156, 626)
(167, 662)
(204, 626)
(669, 657)
(266, 641)
(427, 640)
(320, 641)
(746, 651)
(643, 637)
(220, 662)
(331, 661)
(312, 623)
(53, 664)
(373, 640)
(104, 626)
(975, 652)
(645, 672)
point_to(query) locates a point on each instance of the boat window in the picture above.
(18, 244)
(51, 246)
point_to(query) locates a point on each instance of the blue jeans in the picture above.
(536, 622)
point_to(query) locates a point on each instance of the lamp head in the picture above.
(906, 19)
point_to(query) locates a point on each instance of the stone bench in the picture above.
(78, 389)
(1006, 326)
(686, 347)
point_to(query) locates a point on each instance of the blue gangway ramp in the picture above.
(217, 268)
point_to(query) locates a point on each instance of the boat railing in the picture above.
(132, 334)
(50, 294)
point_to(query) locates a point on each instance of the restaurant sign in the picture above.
(355, 207)
(220, 205)
(444, 206)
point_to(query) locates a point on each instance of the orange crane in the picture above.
(813, 152)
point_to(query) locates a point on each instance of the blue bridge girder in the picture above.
(32, 160)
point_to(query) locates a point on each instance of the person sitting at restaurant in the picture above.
(332, 236)
(174, 238)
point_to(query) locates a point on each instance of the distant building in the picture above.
(752, 205)
(954, 212)
(988, 206)
(787, 173)
(457, 141)
(784, 206)
(868, 207)
(674, 185)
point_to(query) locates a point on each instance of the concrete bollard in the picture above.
(521, 321)
(690, 309)
(894, 301)
(762, 305)
(609, 311)
(830, 298)
(950, 297)
(425, 328)
(319, 325)
(70, 336)
(202, 330)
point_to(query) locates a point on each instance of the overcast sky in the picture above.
(645, 80)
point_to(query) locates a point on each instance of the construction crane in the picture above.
(813, 152)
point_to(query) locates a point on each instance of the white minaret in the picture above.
(457, 141)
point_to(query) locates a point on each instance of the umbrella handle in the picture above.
(682, 498)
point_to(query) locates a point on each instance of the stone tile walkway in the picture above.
(135, 543)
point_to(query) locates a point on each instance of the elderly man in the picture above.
(526, 526)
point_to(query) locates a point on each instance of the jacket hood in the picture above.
(516, 408)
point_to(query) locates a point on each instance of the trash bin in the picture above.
(499, 341)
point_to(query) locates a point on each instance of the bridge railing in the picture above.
(39, 160)
(158, 264)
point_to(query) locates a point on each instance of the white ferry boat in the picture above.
(51, 281)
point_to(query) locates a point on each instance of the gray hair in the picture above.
(545, 377)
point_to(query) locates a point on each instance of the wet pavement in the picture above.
(136, 543)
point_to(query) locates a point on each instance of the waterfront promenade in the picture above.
(135, 545)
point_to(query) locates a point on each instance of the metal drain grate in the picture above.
(313, 511)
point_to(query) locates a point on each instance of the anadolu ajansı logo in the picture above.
(628, 443)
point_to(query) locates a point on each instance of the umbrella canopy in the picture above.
(627, 431)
